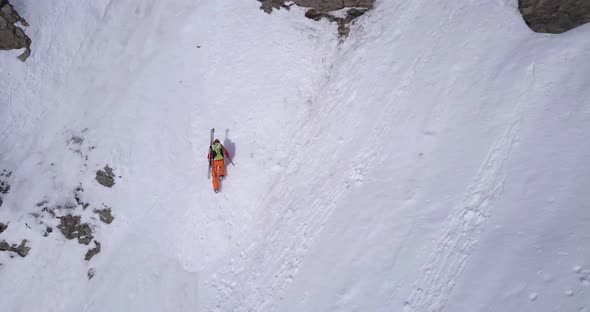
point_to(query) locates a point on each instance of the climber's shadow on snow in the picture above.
(229, 145)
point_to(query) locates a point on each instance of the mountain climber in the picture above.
(216, 156)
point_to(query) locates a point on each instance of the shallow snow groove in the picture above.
(463, 227)
(241, 288)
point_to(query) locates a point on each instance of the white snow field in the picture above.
(436, 160)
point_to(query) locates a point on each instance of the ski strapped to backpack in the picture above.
(210, 159)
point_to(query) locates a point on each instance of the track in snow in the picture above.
(461, 234)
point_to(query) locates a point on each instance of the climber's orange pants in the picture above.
(217, 170)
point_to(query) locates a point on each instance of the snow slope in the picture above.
(436, 160)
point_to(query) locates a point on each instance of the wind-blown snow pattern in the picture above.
(435, 160)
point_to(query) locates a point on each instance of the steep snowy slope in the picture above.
(434, 161)
(140, 85)
(476, 185)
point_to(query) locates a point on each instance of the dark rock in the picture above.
(9, 13)
(333, 5)
(3, 227)
(22, 249)
(554, 16)
(91, 273)
(11, 36)
(48, 231)
(314, 14)
(5, 173)
(71, 227)
(354, 13)
(75, 139)
(92, 252)
(85, 234)
(343, 30)
(320, 5)
(343, 23)
(319, 9)
(105, 215)
(77, 192)
(4, 187)
(106, 177)
(268, 5)
(50, 211)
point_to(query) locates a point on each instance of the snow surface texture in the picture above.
(437, 160)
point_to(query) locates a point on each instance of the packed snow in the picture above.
(437, 159)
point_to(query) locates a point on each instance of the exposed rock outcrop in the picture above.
(4, 186)
(343, 22)
(12, 36)
(554, 16)
(106, 177)
(268, 5)
(72, 228)
(105, 215)
(333, 5)
(319, 9)
(69, 216)
(22, 249)
(92, 252)
(91, 273)
(320, 5)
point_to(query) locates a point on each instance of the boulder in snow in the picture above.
(554, 16)
(4, 186)
(12, 36)
(343, 12)
(105, 215)
(106, 177)
(71, 227)
(22, 249)
(91, 273)
(333, 5)
(268, 5)
(92, 252)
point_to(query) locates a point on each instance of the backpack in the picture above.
(214, 154)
